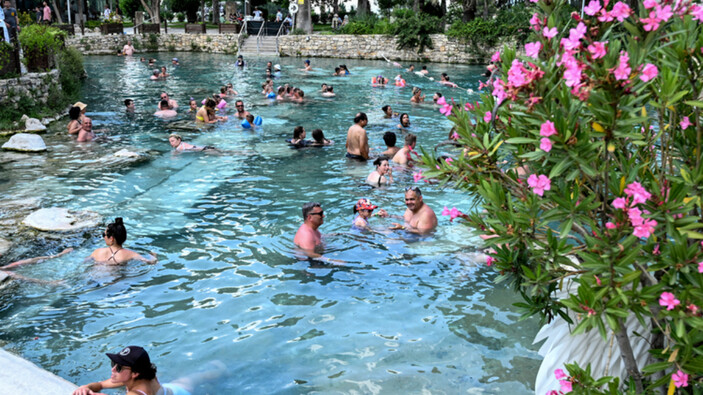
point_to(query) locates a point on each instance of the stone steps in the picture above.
(267, 46)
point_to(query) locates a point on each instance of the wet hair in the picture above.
(74, 113)
(385, 108)
(250, 118)
(330, 88)
(298, 132)
(380, 160)
(323, 84)
(389, 138)
(416, 90)
(210, 103)
(237, 102)
(360, 117)
(424, 67)
(307, 208)
(163, 103)
(438, 94)
(223, 89)
(410, 139)
(301, 93)
(175, 135)
(117, 230)
(445, 76)
(156, 72)
(145, 373)
(127, 102)
(336, 70)
(318, 136)
(401, 118)
(417, 190)
(281, 90)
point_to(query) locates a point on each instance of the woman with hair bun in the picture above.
(114, 254)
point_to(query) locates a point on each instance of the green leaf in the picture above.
(520, 140)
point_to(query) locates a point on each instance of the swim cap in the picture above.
(258, 121)
(246, 124)
(365, 204)
(175, 59)
(277, 67)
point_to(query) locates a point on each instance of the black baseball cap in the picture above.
(134, 357)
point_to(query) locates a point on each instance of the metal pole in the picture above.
(68, 10)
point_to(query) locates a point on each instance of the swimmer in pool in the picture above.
(319, 139)
(404, 121)
(179, 145)
(241, 112)
(419, 217)
(308, 237)
(114, 254)
(306, 66)
(164, 73)
(6, 269)
(86, 133)
(329, 92)
(132, 369)
(154, 75)
(164, 111)
(74, 125)
(436, 97)
(299, 137)
(424, 70)
(383, 175)
(444, 80)
(172, 104)
(364, 210)
(357, 139)
(403, 156)
(129, 105)
(390, 138)
(418, 97)
(388, 112)
(193, 106)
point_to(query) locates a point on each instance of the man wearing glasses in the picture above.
(308, 237)
(241, 112)
(419, 217)
(172, 105)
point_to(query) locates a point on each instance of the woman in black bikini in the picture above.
(383, 175)
(114, 253)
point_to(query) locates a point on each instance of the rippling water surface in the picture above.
(404, 315)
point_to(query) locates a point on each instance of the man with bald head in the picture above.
(419, 217)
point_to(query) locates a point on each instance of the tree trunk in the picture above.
(485, 9)
(628, 356)
(56, 11)
(80, 13)
(303, 20)
(202, 11)
(335, 7)
(417, 5)
(363, 7)
(153, 10)
(216, 11)
(468, 13)
(444, 15)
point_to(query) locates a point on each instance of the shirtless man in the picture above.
(357, 139)
(308, 238)
(172, 105)
(164, 111)
(241, 112)
(306, 66)
(390, 138)
(86, 133)
(403, 155)
(419, 217)
(128, 49)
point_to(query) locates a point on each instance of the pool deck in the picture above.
(21, 376)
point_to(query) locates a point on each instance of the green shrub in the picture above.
(181, 17)
(37, 42)
(71, 72)
(513, 22)
(27, 18)
(413, 30)
(367, 24)
(6, 51)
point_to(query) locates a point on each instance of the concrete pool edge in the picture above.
(25, 376)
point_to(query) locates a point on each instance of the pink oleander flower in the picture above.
(552, 392)
(697, 12)
(495, 57)
(637, 192)
(622, 72)
(446, 109)
(455, 136)
(535, 22)
(453, 213)
(645, 229)
(547, 129)
(605, 16)
(445, 212)
(700, 264)
(668, 300)
(516, 74)
(649, 72)
(656, 251)
(565, 386)
(539, 184)
(664, 12)
(418, 176)
(499, 90)
(692, 308)
(569, 43)
(635, 216)
(685, 123)
(545, 144)
(598, 280)
(448, 161)
(578, 32)
(680, 379)
(610, 225)
(442, 101)
(592, 8)
(652, 23)
(620, 11)
(549, 33)
(487, 117)
(650, 4)
(490, 261)
(620, 203)
(597, 49)
(532, 49)
(559, 374)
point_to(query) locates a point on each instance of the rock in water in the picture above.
(34, 125)
(4, 246)
(25, 142)
(56, 219)
(124, 153)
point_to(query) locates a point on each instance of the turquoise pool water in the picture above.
(404, 315)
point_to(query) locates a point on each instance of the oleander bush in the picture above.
(585, 157)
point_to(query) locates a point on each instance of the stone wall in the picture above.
(36, 86)
(446, 49)
(110, 44)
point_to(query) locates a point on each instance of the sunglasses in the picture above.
(413, 188)
(104, 234)
(118, 367)
(321, 213)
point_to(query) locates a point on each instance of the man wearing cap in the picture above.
(128, 49)
(175, 62)
(419, 217)
(132, 369)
